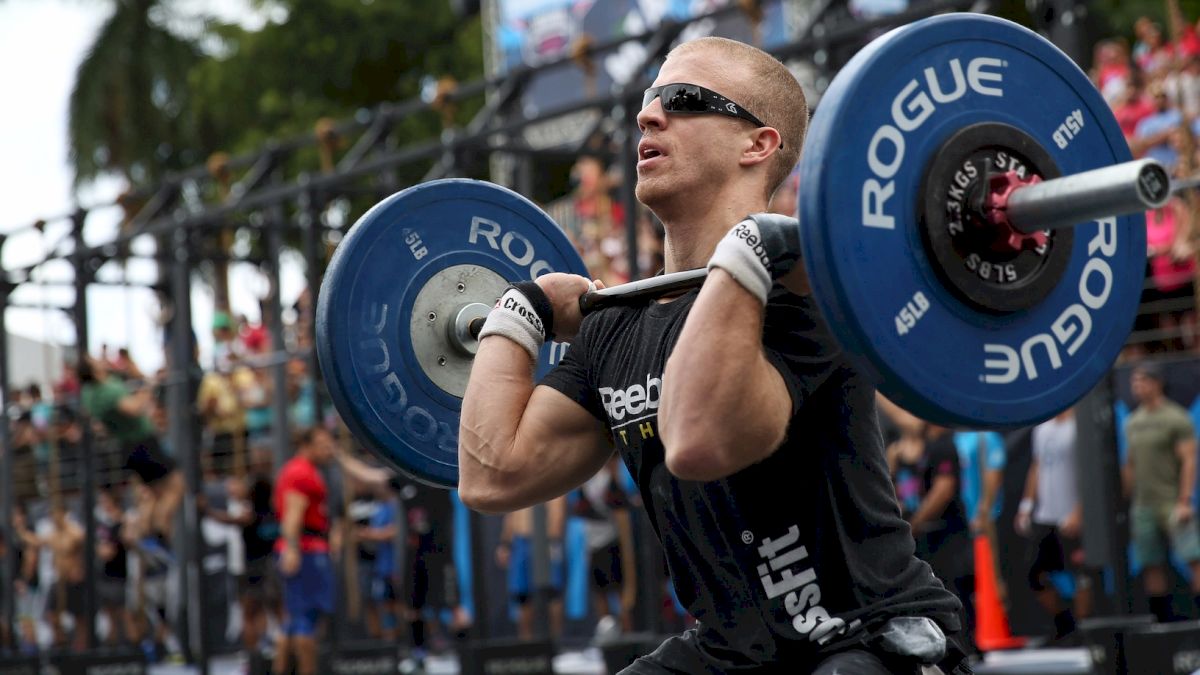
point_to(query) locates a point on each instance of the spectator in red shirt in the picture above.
(1132, 107)
(303, 549)
(1185, 42)
(1111, 69)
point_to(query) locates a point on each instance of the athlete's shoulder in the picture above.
(795, 321)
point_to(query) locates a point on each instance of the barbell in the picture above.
(971, 228)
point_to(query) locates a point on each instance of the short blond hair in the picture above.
(773, 95)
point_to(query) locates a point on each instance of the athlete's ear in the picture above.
(761, 144)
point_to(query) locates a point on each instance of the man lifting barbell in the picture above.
(754, 444)
(962, 231)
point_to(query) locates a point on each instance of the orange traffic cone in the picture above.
(991, 621)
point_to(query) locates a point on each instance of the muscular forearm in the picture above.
(724, 406)
(519, 445)
(498, 391)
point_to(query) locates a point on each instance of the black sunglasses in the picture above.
(692, 99)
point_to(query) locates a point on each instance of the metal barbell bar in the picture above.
(1117, 190)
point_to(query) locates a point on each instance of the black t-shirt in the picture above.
(944, 541)
(429, 517)
(362, 512)
(260, 534)
(110, 532)
(802, 552)
(915, 479)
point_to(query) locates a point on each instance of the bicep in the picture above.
(570, 443)
(800, 346)
(294, 503)
(779, 396)
(1185, 448)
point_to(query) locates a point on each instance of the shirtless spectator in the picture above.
(113, 556)
(31, 597)
(65, 542)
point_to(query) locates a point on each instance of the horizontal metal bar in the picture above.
(1121, 189)
(634, 291)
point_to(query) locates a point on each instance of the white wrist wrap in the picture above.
(741, 253)
(514, 318)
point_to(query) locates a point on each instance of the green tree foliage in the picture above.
(147, 100)
(129, 109)
(330, 58)
(1120, 15)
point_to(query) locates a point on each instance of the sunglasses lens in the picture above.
(683, 98)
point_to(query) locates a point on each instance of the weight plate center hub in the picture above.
(442, 349)
(974, 248)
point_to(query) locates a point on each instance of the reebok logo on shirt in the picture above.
(636, 399)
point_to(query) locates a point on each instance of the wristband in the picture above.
(1026, 506)
(515, 318)
(742, 255)
(541, 304)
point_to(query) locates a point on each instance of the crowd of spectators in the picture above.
(1154, 91)
(949, 484)
(947, 481)
(398, 538)
(139, 488)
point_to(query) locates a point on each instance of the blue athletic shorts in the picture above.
(520, 569)
(308, 594)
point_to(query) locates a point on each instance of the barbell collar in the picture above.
(464, 330)
(1117, 190)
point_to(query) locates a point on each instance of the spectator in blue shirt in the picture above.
(1152, 136)
(377, 531)
(981, 456)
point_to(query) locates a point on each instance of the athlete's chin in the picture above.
(650, 191)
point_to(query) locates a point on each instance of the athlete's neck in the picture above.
(692, 236)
